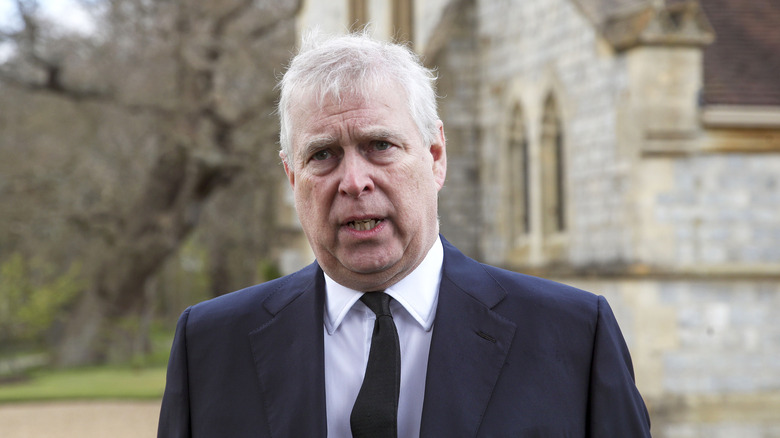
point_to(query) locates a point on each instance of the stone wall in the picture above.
(459, 202)
(531, 50)
(706, 352)
(683, 232)
(720, 211)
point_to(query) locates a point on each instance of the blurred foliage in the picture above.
(89, 383)
(32, 296)
(183, 280)
(268, 270)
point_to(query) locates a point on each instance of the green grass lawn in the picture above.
(87, 383)
(141, 379)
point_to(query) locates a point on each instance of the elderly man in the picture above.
(391, 331)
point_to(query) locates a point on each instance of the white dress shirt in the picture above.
(349, 325)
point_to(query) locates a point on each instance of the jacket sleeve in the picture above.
(616, 408)
(175, 411)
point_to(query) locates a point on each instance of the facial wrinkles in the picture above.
(402, 194)
(356, 127)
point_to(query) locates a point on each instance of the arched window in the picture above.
(403, 20)
(553, 170)
(358, 14)
(519, 220)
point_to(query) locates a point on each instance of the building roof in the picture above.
(742, 66)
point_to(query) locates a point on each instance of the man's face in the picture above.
(365, 186)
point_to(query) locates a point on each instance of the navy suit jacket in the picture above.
(511, 355)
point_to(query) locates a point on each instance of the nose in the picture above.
(356, 178)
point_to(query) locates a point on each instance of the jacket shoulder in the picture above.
(497, 287)
(543, 295)
(260, 300)
(536, 287)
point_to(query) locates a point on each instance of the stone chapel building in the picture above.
(630, 148)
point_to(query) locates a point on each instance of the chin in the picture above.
(368, 269)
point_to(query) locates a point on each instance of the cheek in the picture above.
(416, 197)
(303, 200)
(312, 201)
(419, 183)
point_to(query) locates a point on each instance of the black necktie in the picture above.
(376, 408)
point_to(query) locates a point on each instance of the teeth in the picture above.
(364, 225)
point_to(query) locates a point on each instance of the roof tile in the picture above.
(742, 66)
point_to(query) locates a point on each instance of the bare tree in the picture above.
(192, 81)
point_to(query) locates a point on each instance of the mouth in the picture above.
(364, 224)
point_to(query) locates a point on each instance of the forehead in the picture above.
(314, 113)
(327, 98)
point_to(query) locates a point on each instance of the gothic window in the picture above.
(403, 20)
(358, 14)
(519, 223)
(553, 170)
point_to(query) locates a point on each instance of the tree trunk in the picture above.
(106, 324)
(82, 333)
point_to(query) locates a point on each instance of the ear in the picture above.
(439, 153)
(287, 169)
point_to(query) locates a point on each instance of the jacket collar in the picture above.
(289, 356)
(469, 346)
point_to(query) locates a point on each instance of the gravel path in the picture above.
(106, 419)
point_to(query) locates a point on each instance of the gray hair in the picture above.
(356, 64)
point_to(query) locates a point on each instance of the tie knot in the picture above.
(378, 302)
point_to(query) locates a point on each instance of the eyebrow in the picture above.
(369, 133)
(317, 143)
(384, 133)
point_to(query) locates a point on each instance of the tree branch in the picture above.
(265, 29)
(222, 22)
(53, 85)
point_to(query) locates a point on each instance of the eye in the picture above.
(381, 145)
(321, 155)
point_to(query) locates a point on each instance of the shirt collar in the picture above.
(417, 292)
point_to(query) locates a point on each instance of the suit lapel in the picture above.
(289, 357)
(469, 346)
